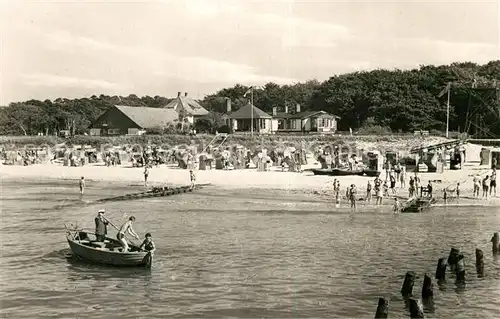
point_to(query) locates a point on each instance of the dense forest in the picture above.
(390, 100)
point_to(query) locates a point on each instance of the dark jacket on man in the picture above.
(101, 227)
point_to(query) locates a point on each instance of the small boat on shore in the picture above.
(336, 172)
(416, 205)
(371, 173)
(108, 252)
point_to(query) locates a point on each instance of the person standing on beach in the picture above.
(397, 171)
(146, 174)
(411, 190)
(477, 184)
(429, 189)
(486, 185)
(82, 185)
(352, 196)
(457, 190)
(417, 183)
(402, 177)
(386, 189)
(337, 193)
(445, 196)
(369, 192)
(392, 180)
(379, 194)
(493, 182)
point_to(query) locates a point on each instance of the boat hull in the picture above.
(335, 172)
(371, 173)
(418, 205)
(106, 257)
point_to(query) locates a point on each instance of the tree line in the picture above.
(391, 100)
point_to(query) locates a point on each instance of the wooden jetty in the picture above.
(417, 204)
(155, 192)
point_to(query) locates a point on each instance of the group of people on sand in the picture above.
(101, 230)
(488, 184)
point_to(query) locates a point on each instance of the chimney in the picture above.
(186, 94)
(178, 94)
(228, 105)
(275, 111)
(286, 108)
(297, 108)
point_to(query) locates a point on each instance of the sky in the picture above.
(72, 49)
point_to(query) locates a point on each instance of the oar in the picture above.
(119, 230)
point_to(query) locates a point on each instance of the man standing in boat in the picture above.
(101, 224)
(127, 227)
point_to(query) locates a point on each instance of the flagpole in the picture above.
(251, 110)
(448, 111)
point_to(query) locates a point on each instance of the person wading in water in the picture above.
(148, 244)
(352, 196)
(146, 174)
(127, 227)
(192, 177)
(82, 185)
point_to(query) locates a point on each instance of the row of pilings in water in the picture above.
(457, 266)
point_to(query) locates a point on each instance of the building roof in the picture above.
(148, 117)
(187, 104)
(303, 115)
(246, 112)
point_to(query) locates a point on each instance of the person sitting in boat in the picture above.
(101, 224)
(127, 227)
(148, 244)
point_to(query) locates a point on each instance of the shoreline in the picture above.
(302, 185)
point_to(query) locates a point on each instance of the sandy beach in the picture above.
(301, 183)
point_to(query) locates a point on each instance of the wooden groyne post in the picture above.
(428, 293)
(460, 270)
(495, 240)
(416, 308)
(441, 270)
(427, 288)
(453, 258)
(382, 308)
(407, 288)
(479, 263)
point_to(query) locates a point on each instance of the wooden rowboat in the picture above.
(336, 172)
(416, 205)
(371, 173)
(107, 252)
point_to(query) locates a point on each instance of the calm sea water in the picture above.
(240, 254)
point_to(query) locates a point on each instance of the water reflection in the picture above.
(247, 255)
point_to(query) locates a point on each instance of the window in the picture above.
(294, 124)
(113, 131)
